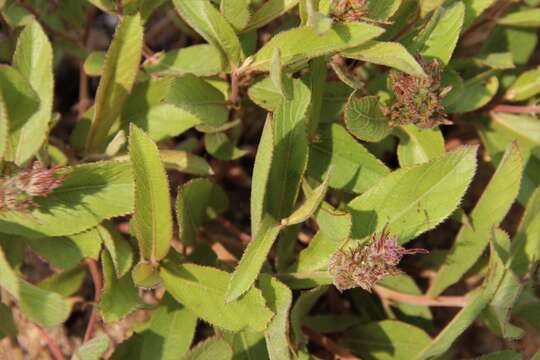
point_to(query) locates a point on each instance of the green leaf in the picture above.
(444, 340)
(391, 54)
(318, 85)
(93, 349)
(19, 103)
(146, 275)
(186, 60)
(119, 296)
(4, 130)
(198, 201)
(340, 37)
(69, 257)
(204, 18)
(89, 243)
(290, 152)
(416, 199)
(119, 72)
(93, 64)
(417, 146)
(90, 194)
(261, 171)
(269, 11)
(185, 162)
(476, 93)
(153, 217)
(365, 119)
(524, 18)
(202, 290)
(354, 168)
(301, 309)
(247, 344)
(526, 85)
(525, 243)
(276, 75)
(439, 37)
(388, 339)
(65, 283)
(222, 147)
(118, 247)
(253, 258)
(383, 9)
(7, 326)
(473, 9)
(236, 12)
(34, 59)
(310, 205)
(198, 98)
(211, 349)
(170, 332)
(44, 307)
(279, 299)
(489, 211)
(501, 355)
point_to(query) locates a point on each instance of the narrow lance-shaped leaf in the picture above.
(261, 171)
(153, 218)
(119, 72)
(303, 43)
(253, 258)
(202, 290)
(44, 307)
(413, 200)
(490, 210)
(310, 205)
(202, 16)
(34, 59)
(525, 86)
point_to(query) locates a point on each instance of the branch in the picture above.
(96, 278)
(234, 85)
(533, 109)
(424, 300)
(53, 346)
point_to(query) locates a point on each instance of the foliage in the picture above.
(243, 178)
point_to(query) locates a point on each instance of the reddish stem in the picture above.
(443, 301)
(234, 86)
(53, 346)
(229, 226)
(96, 278)
(533, 109)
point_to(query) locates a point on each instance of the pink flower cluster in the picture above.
(364, 265)
(17, 192)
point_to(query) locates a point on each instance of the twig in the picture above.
(329, 344)
(533, 109)
(229, 226)
(234, 85)
(96, 278)
(424, 300)
(53, 346)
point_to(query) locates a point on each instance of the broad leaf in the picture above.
(202, 290)
(93, 349)
(269, 11)
(417, 146)
(525, 86)
(391, 54)
(211, 25)
(65, 283)
(476, 93)
(198, 201)
(236, 12)
(416, 199)
(90, 194)
(489, 211)
(119, 248)
(119, 72)
(211, 349)
(153, 218)
(303, 43)
(253, 258)
(524, 18)
(185, 162)
(186, 60)
(247, 344)
(365, 119)
(34, 59)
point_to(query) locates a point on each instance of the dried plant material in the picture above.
(418, 99)
(364, 265)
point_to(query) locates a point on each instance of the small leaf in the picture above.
(202, 290)
(277, 76)
(526, 85)
(220, 146)
(34, 59)
(310, 205)
(389, 54)
(93, 349)
(44, 307)
(476, 93)
(279, 299)
(417, 146)
(119, 72)
(253, 258)
(269, 11)
(146, 276)
(186, 61)
(211, 349)
(198, 201)
(489, 211)
(341, 36)
(211, 25)
(185, 162)
(365, 119)
(118, 247)
(153, 217)
(354, 167)
(416, 199)
(65, 283)
(236, 12)
(524, 18)
(93, 64)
